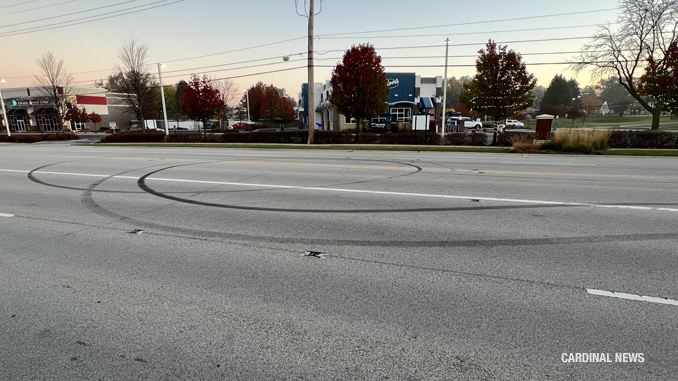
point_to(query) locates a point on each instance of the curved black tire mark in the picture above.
(142, 185)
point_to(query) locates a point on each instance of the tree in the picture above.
(561, 95)
(660, 80)
(229, 91)
(95, 118)
(502, 86)
(133, 81)
(455, 89)
(359, 88)
(615, 94)
(538, 94)
(574, 113)
(644, 28)
(54, 84)
(256, 96)
(77, 115)
(202, 100)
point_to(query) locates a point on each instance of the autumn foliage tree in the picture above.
(95, 118)
(502, 86)
(77, 115)
(660, 80)
(202, 100)
(359, 88)
(265, 102)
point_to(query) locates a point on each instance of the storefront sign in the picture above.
(392, 83)
(22, 102)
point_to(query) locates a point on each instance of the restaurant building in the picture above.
(28, 109)
(410, 95)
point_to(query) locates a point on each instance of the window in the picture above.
(402, 114)
(348, 120)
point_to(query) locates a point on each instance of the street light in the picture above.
(162, 94)
(4, 113)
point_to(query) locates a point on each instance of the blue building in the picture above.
(410, 95)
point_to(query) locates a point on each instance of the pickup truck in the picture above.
(466, 122)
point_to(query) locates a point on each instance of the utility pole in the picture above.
(162, 94)
(311, 86)
(444, 124)
(311, 79)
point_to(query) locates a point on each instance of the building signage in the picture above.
(392, 83)
(18, 102)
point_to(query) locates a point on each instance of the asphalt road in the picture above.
(437, 266)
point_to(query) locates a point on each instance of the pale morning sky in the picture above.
(176, 31)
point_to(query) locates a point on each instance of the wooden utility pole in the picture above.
(311, 80)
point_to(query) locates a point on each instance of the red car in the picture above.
(238, 126)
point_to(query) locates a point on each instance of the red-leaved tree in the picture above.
(202, 100)
(359, 88)
(77, 115)
(660, 80)
(95, 118)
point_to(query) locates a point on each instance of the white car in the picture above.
(467, 122)
(515, 123)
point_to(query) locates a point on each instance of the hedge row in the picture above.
(135, 137)
(643, 139)
(34, 138)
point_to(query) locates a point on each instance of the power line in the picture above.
(236, 50)
(474, 22)
(24, 3)
(37, 8)
(70, 14)
(470, 33)
(90, 20)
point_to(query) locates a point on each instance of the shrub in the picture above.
(34, 138)
(334, 137)
(643, 139)
(429, 138)
(584, 141)
(134, 137)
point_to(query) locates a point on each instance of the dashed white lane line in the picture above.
(6, 215)
(344, 190)
(639, 298)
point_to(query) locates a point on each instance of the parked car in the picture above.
(515, 123)
(210, 126)
(467, 122)
(238, 126)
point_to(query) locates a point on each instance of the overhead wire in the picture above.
(89, 20)
(69, 14)
(37, 8)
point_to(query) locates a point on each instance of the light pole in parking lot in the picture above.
(443, 123)
(162, 95)
(4, 113)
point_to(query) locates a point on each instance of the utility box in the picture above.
(544, 123)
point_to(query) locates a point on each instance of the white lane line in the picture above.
(6, 215)
(639, 298)
(514, 200)
(342, 190)
(535, 163)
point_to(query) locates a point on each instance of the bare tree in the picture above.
(134, 81)
(230, 94)
(55, 84)
(644, 28)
